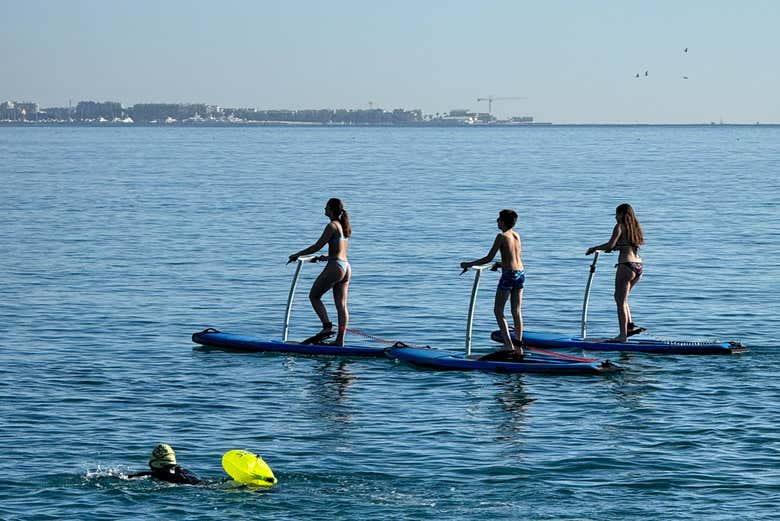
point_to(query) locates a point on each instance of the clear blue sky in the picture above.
(575, 61)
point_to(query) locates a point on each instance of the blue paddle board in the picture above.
(643, 345)
(212, 338)
(532, 363)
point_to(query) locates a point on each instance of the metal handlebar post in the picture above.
(584, 328)
(470, 319)
(300, 261)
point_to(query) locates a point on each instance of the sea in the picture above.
(121, 242)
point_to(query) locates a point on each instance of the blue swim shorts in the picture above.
(511, 279)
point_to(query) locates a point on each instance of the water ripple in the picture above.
(123, 242)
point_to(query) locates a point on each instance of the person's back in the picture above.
(338, 242)
(511, 251)
(176, 474)
(627, 251)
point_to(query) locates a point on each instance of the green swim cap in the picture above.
(162, 457)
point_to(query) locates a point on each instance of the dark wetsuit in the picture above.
(175, 474)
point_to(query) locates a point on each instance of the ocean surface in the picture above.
(119, 243)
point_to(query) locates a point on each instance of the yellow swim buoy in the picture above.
(248, 468)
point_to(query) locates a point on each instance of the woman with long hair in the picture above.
(336, 273)
(626, 238)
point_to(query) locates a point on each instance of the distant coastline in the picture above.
(278, 124)
(201, 114)
(283, 124)
(114, 114)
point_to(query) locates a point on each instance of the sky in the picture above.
(572, 61)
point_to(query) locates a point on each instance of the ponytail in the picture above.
(344, 220)
(337, 208)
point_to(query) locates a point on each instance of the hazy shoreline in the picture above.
(279, 124)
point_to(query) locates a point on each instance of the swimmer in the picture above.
(163, 466)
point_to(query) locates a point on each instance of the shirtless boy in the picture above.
(512, 279)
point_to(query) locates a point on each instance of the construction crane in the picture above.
(491, 99)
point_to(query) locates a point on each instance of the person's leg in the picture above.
(517, 314)
(623, 277)
(340, 294)
(628, 294)
(325, 281)
(503, 326)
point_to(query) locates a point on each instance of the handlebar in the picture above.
(309, 258)
(492, 266)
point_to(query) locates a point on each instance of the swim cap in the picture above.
(162, 457)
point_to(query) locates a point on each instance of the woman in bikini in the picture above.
(336, 273)
(626, 238)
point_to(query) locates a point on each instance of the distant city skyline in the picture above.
(114, 112)
(605, 61)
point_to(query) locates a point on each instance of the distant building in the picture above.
(92, 110)
(457, 117)
(160, 112)
(403, 116)
(56, 114)
(461, 113)
(15, 111)
(8, 111)
(29, 108)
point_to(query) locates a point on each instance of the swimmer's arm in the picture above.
(610, 244)
(487, 258)
(139, 475)
(317, 246)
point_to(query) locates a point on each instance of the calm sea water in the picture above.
(119, 243)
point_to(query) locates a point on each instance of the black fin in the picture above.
(502, 356)
(319, 337)
(635, 331)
